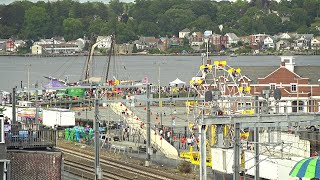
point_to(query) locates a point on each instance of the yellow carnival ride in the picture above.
(221, 81)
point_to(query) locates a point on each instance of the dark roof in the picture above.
(255, 72)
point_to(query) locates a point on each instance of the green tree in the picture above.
(72, 28)
(179, 18)
(36, 22)
(116, 7)
(148, 29)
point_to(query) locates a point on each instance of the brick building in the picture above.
(299, 85)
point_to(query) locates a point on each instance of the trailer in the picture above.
(58, 117)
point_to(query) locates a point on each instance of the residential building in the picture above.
(184, 33)
(50, 41)
(220, 42)
(79, 42)
(10, 47)
(104, 42)
(232, 39)
(303, 41)
(257, 40)
(36, 50)
(196, 40)
(268, 42)
(283, 45)
(285, 36)
(58, 49)
(315, 43)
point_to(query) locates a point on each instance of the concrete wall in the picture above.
(270, 167)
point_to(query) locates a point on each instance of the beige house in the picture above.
(36, 49)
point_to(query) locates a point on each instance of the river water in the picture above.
(14, 69)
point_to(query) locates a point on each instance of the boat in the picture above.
(233, 55)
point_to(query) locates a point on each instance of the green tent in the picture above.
(79, 92)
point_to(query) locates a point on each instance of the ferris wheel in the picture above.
(222, 81)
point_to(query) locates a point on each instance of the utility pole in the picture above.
(147, 162)
(236, 153)
(256, 139)
(98, 172)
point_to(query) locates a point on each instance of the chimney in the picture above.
(287, 62)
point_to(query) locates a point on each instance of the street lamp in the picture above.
(159, 83)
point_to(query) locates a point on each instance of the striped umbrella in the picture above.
(307, 168)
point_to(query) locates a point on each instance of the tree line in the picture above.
(159, 18)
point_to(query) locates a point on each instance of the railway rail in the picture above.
(112, 169)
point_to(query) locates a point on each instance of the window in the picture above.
(244, 85)
(244, 106)
(293, 87)
(272, 86)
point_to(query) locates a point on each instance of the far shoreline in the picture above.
(140, 54)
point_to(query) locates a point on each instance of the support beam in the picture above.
(14, 116)
(236, 153)
(203, 156)
(98, 173)
(147, 162)
(256, 140)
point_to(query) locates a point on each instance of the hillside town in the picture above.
(187, 42)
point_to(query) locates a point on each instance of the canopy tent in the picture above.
(176, 82)
(54, 83)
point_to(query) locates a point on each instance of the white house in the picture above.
(104, 42)
(184, 33)
(285, 36)
(268, 42)
(232, 39)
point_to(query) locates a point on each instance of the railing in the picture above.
(22, 139)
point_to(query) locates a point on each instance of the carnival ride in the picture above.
(222, 87)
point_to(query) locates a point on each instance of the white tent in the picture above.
(176, 82)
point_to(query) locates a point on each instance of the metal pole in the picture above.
(98, 173)
(28, 82)
(160, 103)
(256, 139)
(161, 120)
(14, 117)
(236, 153)
(147, 163)
(203, 165)
(37, 114)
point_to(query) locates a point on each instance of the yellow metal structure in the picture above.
(194, 157)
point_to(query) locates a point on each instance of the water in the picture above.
(13, 69)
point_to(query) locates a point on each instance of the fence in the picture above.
(21, 139)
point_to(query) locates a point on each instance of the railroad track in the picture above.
(113, 169)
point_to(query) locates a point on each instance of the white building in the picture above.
(184, 33)
(232, 39)
(268, 42)
(104, 42)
